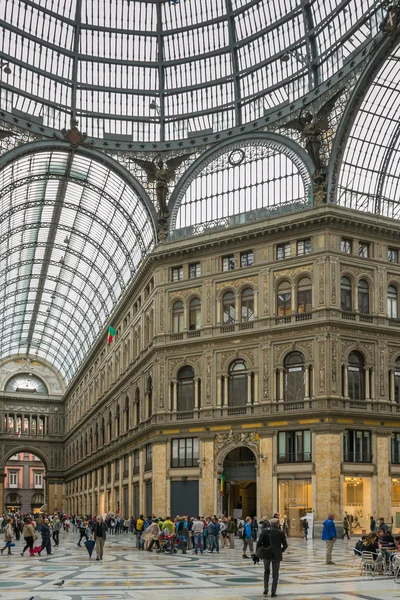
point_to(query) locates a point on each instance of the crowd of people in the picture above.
(265, 540)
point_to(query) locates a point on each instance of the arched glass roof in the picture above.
(370, 177)
(72, 234)
(157, 70)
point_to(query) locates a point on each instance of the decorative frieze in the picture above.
(236, 283)
(321, 282)
(265, 292)
(291, 273)
(185, 293)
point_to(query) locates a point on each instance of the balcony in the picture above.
(358, 457)
(294, 457)
(148, 466)
(181, 416)
(125, 473)
(135, 470)
(348, 316)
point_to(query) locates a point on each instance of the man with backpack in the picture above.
(270, 547)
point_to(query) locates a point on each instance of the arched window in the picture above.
(126, 414)
(247, 304)
(195, 314)
(294, 377)
(228, 308)
(238, 384)
(177, 317)
(304, 301)
(356, 376)
(137, 405)
(346, 301)
(392, 302)
(149, 397)
(363, 297)
(185, 400)
(397, 381)
(284, 300)
(117, 421)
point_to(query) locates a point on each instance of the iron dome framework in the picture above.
(148, 71)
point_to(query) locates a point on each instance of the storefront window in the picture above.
(294, 501)
(357, 502)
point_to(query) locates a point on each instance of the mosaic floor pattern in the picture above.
(127, 574)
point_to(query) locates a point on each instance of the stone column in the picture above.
(2, 476)
(372, 394)
(249, 389)
(160, 468)
(255, 388)
(112, 506)
(345, 381)
(327, 459)
(391, 392)
(226, 399)
(54, 493)
(207, 499)
(196, 393)
(367, 380)
(264, 490)
(219, 391)
(307, 383)
(130, 486)
(174, 396)
(383, 479)
(281, 385)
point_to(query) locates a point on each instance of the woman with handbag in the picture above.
(29, 536)
(8, 533)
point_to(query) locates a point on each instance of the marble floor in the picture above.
(125, 573)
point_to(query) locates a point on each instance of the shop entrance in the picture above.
(240, 487)
(357, 502)
(294, 501)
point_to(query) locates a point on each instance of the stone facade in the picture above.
(122, 415)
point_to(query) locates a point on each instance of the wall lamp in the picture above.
(202, 461)
(6, 68)
(263, 456)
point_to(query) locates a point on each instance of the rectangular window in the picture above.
(185, 452)
(228, 262)
(149, 453)
(294, 446)
(357, 446)
(363, 249)
(346, 246)
(38, 479)
(194, 270)
(13, 479)
(247, 259)
(117, 468)
(282, 251)
(393, 255)
(177, 273)
(303, 247)
(395, 450)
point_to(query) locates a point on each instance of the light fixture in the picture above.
(6, 68)
(286, 57)
(154, 106)
(263, 456)
(66, 241)
(202, 461)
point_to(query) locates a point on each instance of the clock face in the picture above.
(26, 382)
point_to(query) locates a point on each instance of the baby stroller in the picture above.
(167, 544)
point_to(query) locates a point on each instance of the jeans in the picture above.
(140, 542)
(198, 539)
(275, 573)
(213, 541)
(46, 543)
(55, 537)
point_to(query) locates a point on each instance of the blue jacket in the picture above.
(329, 530)
(248, 531)
(216, 528)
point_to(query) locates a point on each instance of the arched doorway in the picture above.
(24, 483)
(239, 483)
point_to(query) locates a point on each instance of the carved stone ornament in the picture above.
(231, 439)
(73, 136)
(185, 293)
(293, 272)
(236, 283)
(321, 282)
(161, 312)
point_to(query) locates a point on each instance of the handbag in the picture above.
(265, 552)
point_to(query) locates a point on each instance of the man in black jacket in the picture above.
(274, 537)
(46, 537)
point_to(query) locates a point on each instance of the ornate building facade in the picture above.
(235, 223)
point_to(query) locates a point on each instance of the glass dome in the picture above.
(155, 70)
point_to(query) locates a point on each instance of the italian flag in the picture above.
(110, 335)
